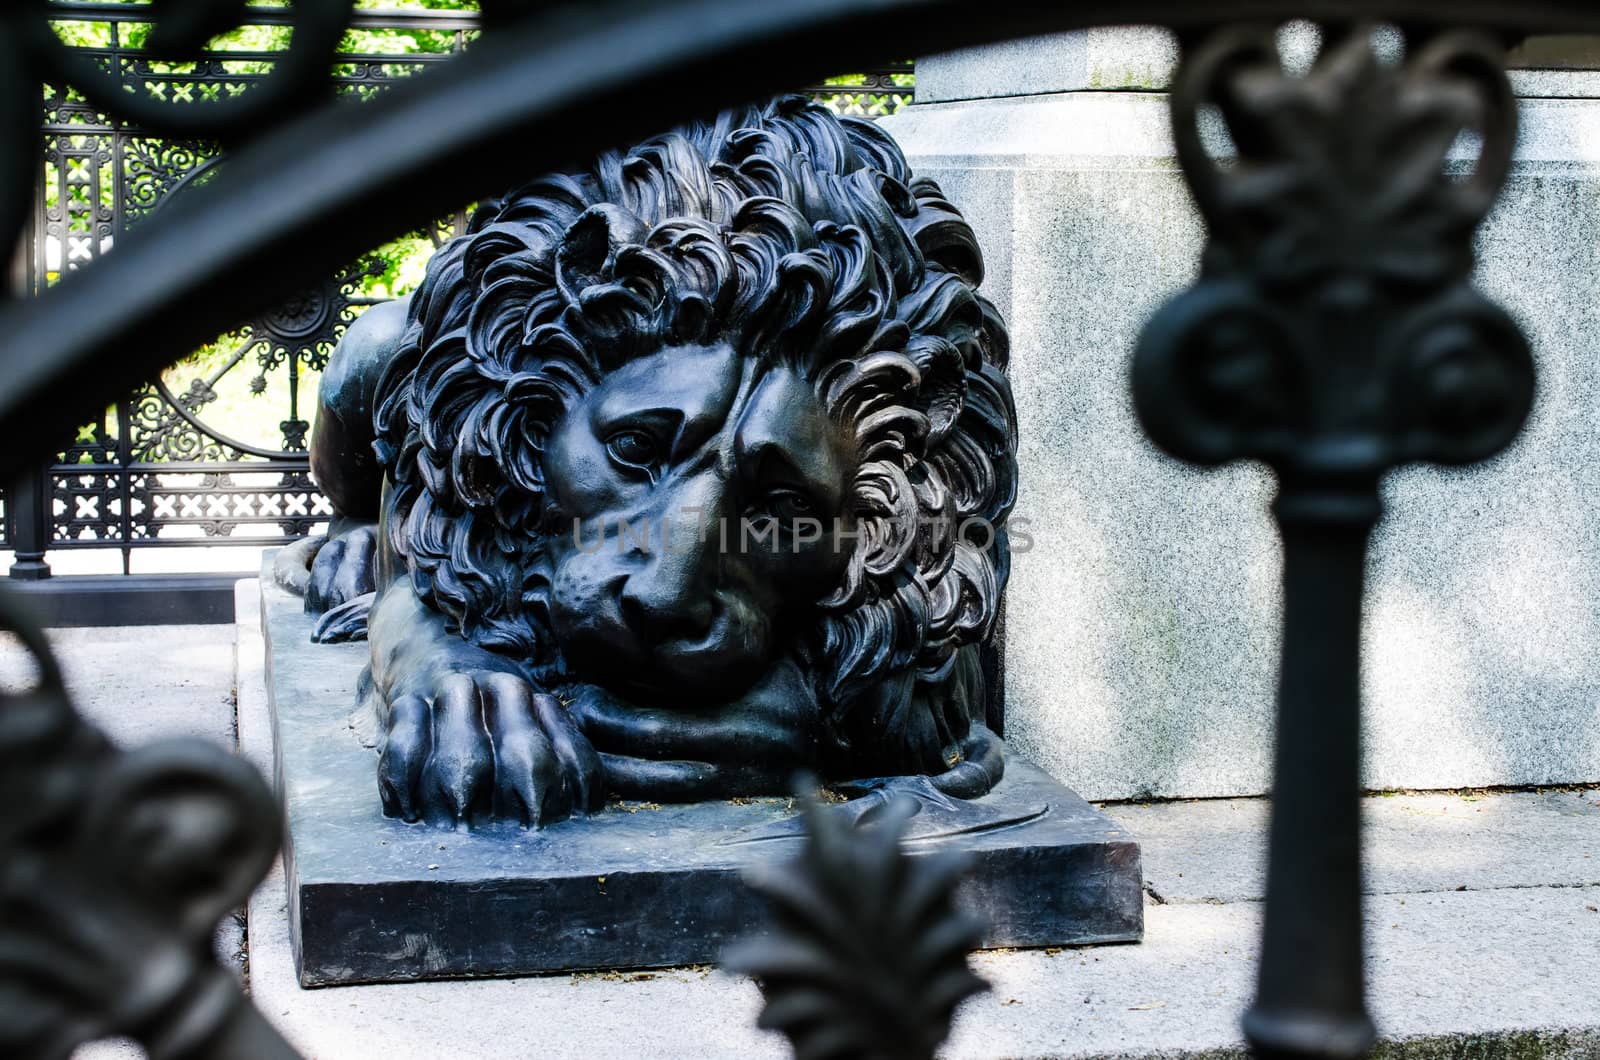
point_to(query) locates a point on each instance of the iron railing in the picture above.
(1333, 334)
(212, 450)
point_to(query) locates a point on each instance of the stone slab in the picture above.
(1497, 975)
(1119, 57)
(1142, 625)
(1144, 58)
(1103, 59)
(639, 885)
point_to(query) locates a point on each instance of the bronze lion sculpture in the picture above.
(678, 475)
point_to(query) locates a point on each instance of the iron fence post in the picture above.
(1310, 999)
(1334, 334)
(28, 519)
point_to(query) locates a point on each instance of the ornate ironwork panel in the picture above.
(213, 451)
(877, 93)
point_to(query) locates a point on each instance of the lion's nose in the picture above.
(660, 611)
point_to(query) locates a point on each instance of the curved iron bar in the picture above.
(20, 149)
(182, 412)
(327, 187)
(117, 868)
(296, 83)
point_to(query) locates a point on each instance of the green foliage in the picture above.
(856, 97)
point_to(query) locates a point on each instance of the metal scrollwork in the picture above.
(32, 54)
(106, 176)
(1335, 330)
(115, 869)
(156, 169)
(867, 955)
(181, 30)
(1334, 334)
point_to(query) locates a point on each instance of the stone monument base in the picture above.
(640, 885)
(1478, 666)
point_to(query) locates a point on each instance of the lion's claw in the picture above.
(486, 747)
(345, 623)
(461, 764)
(579, 761)
(527, 779)
(405, 751)
(345, 568)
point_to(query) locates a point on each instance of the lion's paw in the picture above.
(345, 568)
(486, 747)
(345, 623)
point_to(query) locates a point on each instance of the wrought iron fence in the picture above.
(879, 92)
(1332, 334)
(213, 450)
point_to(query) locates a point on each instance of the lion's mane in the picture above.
(798, 237)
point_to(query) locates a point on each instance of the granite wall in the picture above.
(1142, 624)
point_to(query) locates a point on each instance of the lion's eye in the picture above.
(787, 505)
(633, 448)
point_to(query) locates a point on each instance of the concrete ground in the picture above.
(1483, 921)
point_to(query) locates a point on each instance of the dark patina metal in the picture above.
(867, 951)
(1047, 869)
(1334, 334)
(695, 468)
(115, 869)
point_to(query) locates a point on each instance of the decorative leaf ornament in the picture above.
(867, 951)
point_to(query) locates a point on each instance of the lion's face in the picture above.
(695, 496)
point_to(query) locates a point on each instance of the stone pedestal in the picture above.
(639, 885)
(1142, 625)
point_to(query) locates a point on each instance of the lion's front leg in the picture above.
(464, 736)
(330, 570)
(345, 567)
(756, 744)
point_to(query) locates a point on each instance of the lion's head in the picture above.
(628, 396)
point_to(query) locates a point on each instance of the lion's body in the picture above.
(768, 321)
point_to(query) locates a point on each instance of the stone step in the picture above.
(1505, 973)
(1214, 850)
